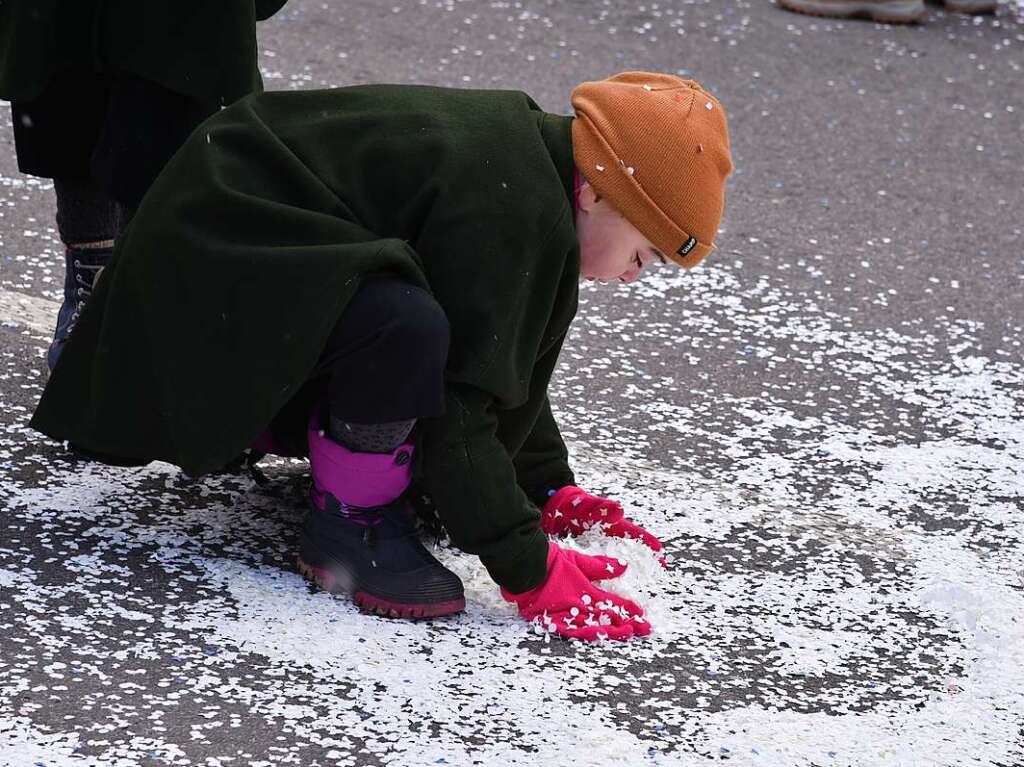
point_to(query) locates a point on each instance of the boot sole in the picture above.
(375, 605)
(909, 12)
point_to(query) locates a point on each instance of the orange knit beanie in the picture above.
(657, 146)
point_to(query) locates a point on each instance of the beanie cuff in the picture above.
(612, 179)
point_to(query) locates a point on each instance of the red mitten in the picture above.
(569, 603)
(572, 511)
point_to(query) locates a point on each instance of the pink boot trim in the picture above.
(372, 604)
(361, 480)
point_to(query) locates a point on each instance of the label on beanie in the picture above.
(687, 246)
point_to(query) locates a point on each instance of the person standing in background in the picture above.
(103, 93)
(883, 11)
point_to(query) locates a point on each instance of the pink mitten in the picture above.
(569, 603)
(572, 511)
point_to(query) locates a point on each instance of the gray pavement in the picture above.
(825, 422)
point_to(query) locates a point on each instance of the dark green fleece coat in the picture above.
(200, 48)
(245, 251)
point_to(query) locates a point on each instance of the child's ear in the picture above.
(587, 198)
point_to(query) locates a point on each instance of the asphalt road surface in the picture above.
(825, 423)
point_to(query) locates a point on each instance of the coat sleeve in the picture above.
(472, 480)
(542, 463)
(542, 460)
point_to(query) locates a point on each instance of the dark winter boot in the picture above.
(82, 267)
(361, 537)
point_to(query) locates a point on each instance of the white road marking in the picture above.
(37, 315)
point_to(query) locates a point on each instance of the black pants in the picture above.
(385, 359)
(383, 362)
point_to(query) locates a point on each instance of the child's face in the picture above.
(611, 248)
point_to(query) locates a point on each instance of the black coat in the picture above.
(247, 248)
(200, 48)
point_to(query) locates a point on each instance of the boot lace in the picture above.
(85, 278)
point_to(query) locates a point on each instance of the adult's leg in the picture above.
(55, 135)
(143, 125)
(86, 217)
(88, 222)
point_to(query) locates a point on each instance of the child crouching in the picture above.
(382, 278)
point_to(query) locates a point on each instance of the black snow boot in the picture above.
(376, 556)
(362, 538)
